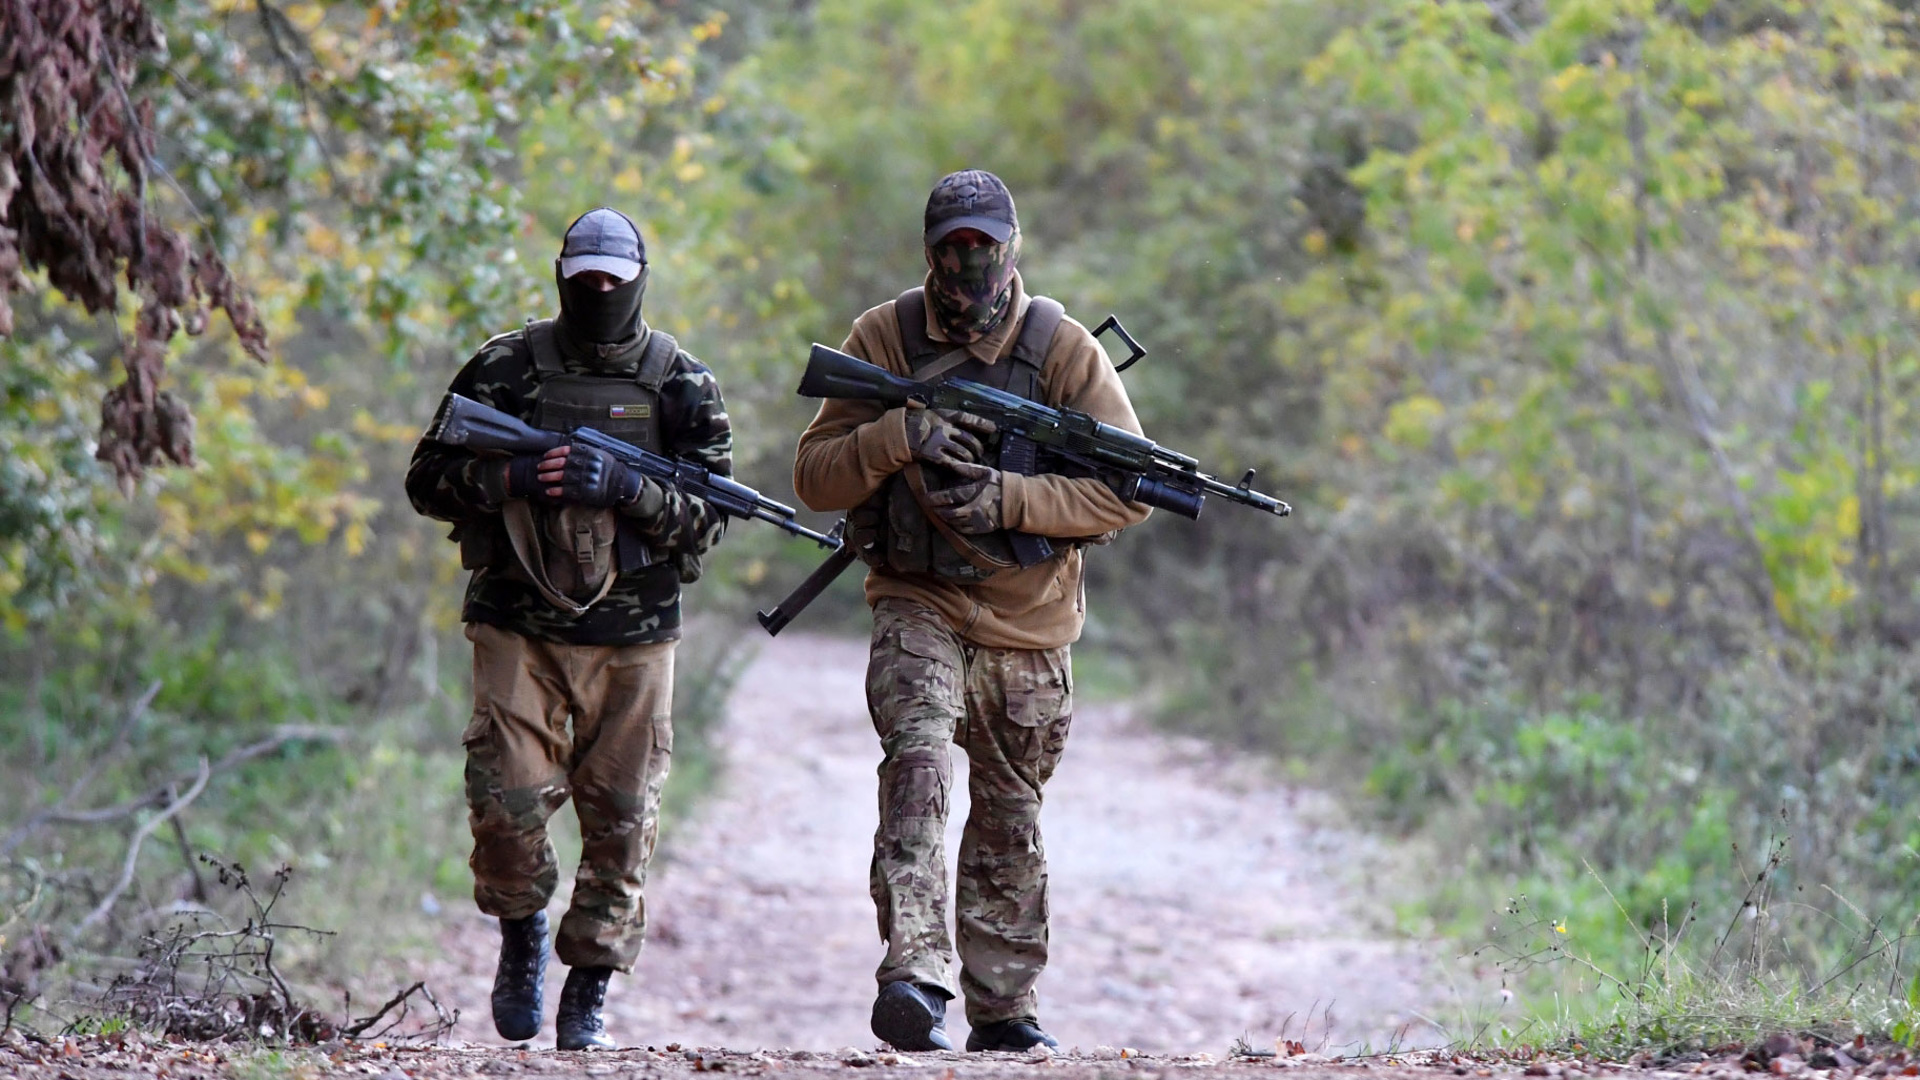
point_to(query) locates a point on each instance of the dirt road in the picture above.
(1193, 901)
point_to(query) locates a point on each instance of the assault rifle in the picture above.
(1034, 438)
(463, 421)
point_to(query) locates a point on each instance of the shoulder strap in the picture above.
(910, 311)
(546, 354)
(654, 365)
(1036, 334)
(1030, 348)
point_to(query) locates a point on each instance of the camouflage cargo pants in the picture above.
(1009, 709)
(523, 763)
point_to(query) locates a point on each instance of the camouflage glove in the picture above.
(946, 436)
(973, 507)
(590, 476)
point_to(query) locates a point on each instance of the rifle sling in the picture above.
(917, 483)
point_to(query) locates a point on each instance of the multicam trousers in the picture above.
(1010, 710)
(523, 764)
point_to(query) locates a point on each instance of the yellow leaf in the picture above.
(258, 541)
(1411, 422)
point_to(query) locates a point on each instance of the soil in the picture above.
(1199, 907)
(1196, 900)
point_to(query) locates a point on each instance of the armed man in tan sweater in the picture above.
(968, 646)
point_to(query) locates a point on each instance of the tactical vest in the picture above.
(578, 550)
(892, 529)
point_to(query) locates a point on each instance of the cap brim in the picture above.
(624, 269)
(1000, 231)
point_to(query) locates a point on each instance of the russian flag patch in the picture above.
(622, 412)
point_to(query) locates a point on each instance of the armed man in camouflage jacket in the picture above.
(573, 610)
(968, 647)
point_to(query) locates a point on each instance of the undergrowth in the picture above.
(1617, 846)
(124, 763)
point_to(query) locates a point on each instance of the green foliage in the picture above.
(1575, 331)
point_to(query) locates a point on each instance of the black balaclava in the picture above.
(601, 318)
(607, 240)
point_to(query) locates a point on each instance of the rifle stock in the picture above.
(777, 618)
(463, 421)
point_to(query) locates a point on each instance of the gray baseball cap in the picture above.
(970, 199)
(603, 239)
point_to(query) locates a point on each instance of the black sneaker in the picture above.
(911, 1017)
(1009, 1035)
(517, 981)
(579, 1024)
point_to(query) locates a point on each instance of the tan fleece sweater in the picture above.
(853, 446)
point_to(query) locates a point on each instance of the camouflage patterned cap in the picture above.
(603, 239)
(970, 199)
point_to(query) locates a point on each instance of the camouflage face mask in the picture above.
(971, 287)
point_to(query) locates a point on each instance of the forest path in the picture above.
(1194, 899)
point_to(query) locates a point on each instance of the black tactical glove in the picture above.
(946, 436)
(593, 477)
(516, 477)
(974, 507)
(522, 483)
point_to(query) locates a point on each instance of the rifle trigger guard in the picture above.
(1136, 353)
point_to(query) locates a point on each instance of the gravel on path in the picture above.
(1194, 899)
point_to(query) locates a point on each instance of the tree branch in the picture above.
(100, 815)
(87, 778)
(132, 860)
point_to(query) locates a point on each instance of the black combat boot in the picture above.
(579, 1024)
(517, 981)
(907, 1016)
(1010, 1035)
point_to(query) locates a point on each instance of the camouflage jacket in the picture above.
(643, 605)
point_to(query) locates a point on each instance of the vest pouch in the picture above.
(867, 530)
(909, 536)
(616, 407)
(577, 549)
(914, 546)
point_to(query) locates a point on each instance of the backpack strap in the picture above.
(910, 311)
(657, 361)
(1030, 349)
(546, 353)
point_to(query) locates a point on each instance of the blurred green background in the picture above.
(1577, 333)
